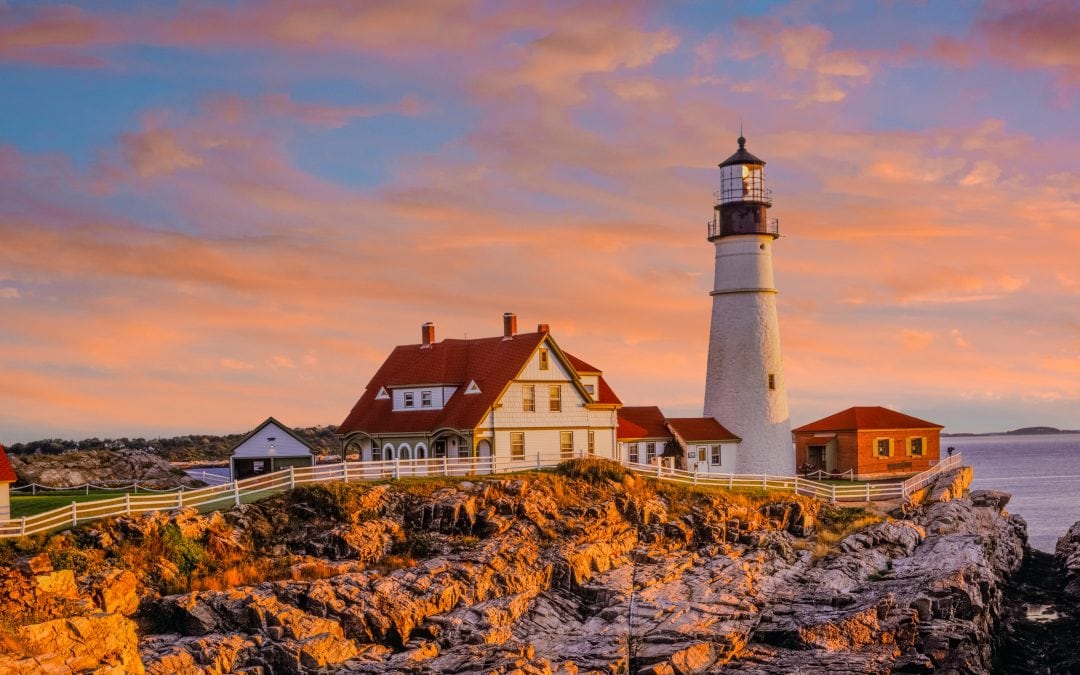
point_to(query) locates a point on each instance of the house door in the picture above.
(701, 463)
(816, 457)
(440, 448)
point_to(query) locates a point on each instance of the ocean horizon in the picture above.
(1040, 471)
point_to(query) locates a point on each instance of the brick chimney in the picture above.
(427, 335)
(509, 325)
(543, 328)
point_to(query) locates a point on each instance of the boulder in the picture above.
(100, 643)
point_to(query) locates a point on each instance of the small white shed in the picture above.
(7, 477)
(272, 446)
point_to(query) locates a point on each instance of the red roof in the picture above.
(490, 362)
(868, 417)
(604, 394)
(642, 422)
(581, 366)
(697, 429)
(7, 474)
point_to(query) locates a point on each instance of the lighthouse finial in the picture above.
(742, 140)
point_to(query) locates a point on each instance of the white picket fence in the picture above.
(236, 492)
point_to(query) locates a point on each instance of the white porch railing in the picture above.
(234, 493)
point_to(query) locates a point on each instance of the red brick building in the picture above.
(870, 441)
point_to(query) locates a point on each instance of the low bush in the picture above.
(593, 470)
(837, 523)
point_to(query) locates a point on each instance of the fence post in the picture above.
(127, 504)
(33, 489)
(397, 467)
(88, 488)
(236, 493)
(22, 528)
(868, 492)
(764, 482)
(695, 476)
(292, 477)
(445, 466)
(537, 461)
(74, 515)
(833, 487)
(136, 488)
(730, 480)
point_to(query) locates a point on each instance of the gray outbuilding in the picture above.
(272, 446)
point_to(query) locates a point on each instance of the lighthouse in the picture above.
(744, 383)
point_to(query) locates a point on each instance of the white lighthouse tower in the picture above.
(744, 384)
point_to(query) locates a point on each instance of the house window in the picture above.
(883, 447)
(592, 442)
(528, 398)
(517, 444)
(772, 381)
(566, 444)
(650, 452)
(555, 398)
(917, 446)
(544, 359)
(376, 452)
(632, 452)
(591, 389)
(407, 399)
(716, 458)
(258, 466)
(425, 399)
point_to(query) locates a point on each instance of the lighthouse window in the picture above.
(772, 381)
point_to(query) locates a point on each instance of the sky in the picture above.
(215, 212)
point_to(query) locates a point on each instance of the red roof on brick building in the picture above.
(697, 429)
(7, 474)
(489, 362)
(642, 422)
(868, 417)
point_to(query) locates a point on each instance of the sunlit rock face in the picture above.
(540, 574)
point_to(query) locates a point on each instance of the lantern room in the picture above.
(742, 200)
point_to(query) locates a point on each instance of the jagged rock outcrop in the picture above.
(1067, 558)
(545, 574)
(78, 467)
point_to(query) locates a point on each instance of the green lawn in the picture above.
(29, 505)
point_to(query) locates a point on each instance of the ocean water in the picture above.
(1042, 472)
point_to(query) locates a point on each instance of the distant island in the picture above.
(1023, 431)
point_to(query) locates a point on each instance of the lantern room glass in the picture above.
(743, 183)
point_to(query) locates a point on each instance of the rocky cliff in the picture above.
(597, 571)
(100, 467)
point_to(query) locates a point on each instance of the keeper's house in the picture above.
(871, 442)
(7, 477)
(270, 447)
(511, 397)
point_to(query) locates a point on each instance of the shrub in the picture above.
(837, 523)
(593, 470)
